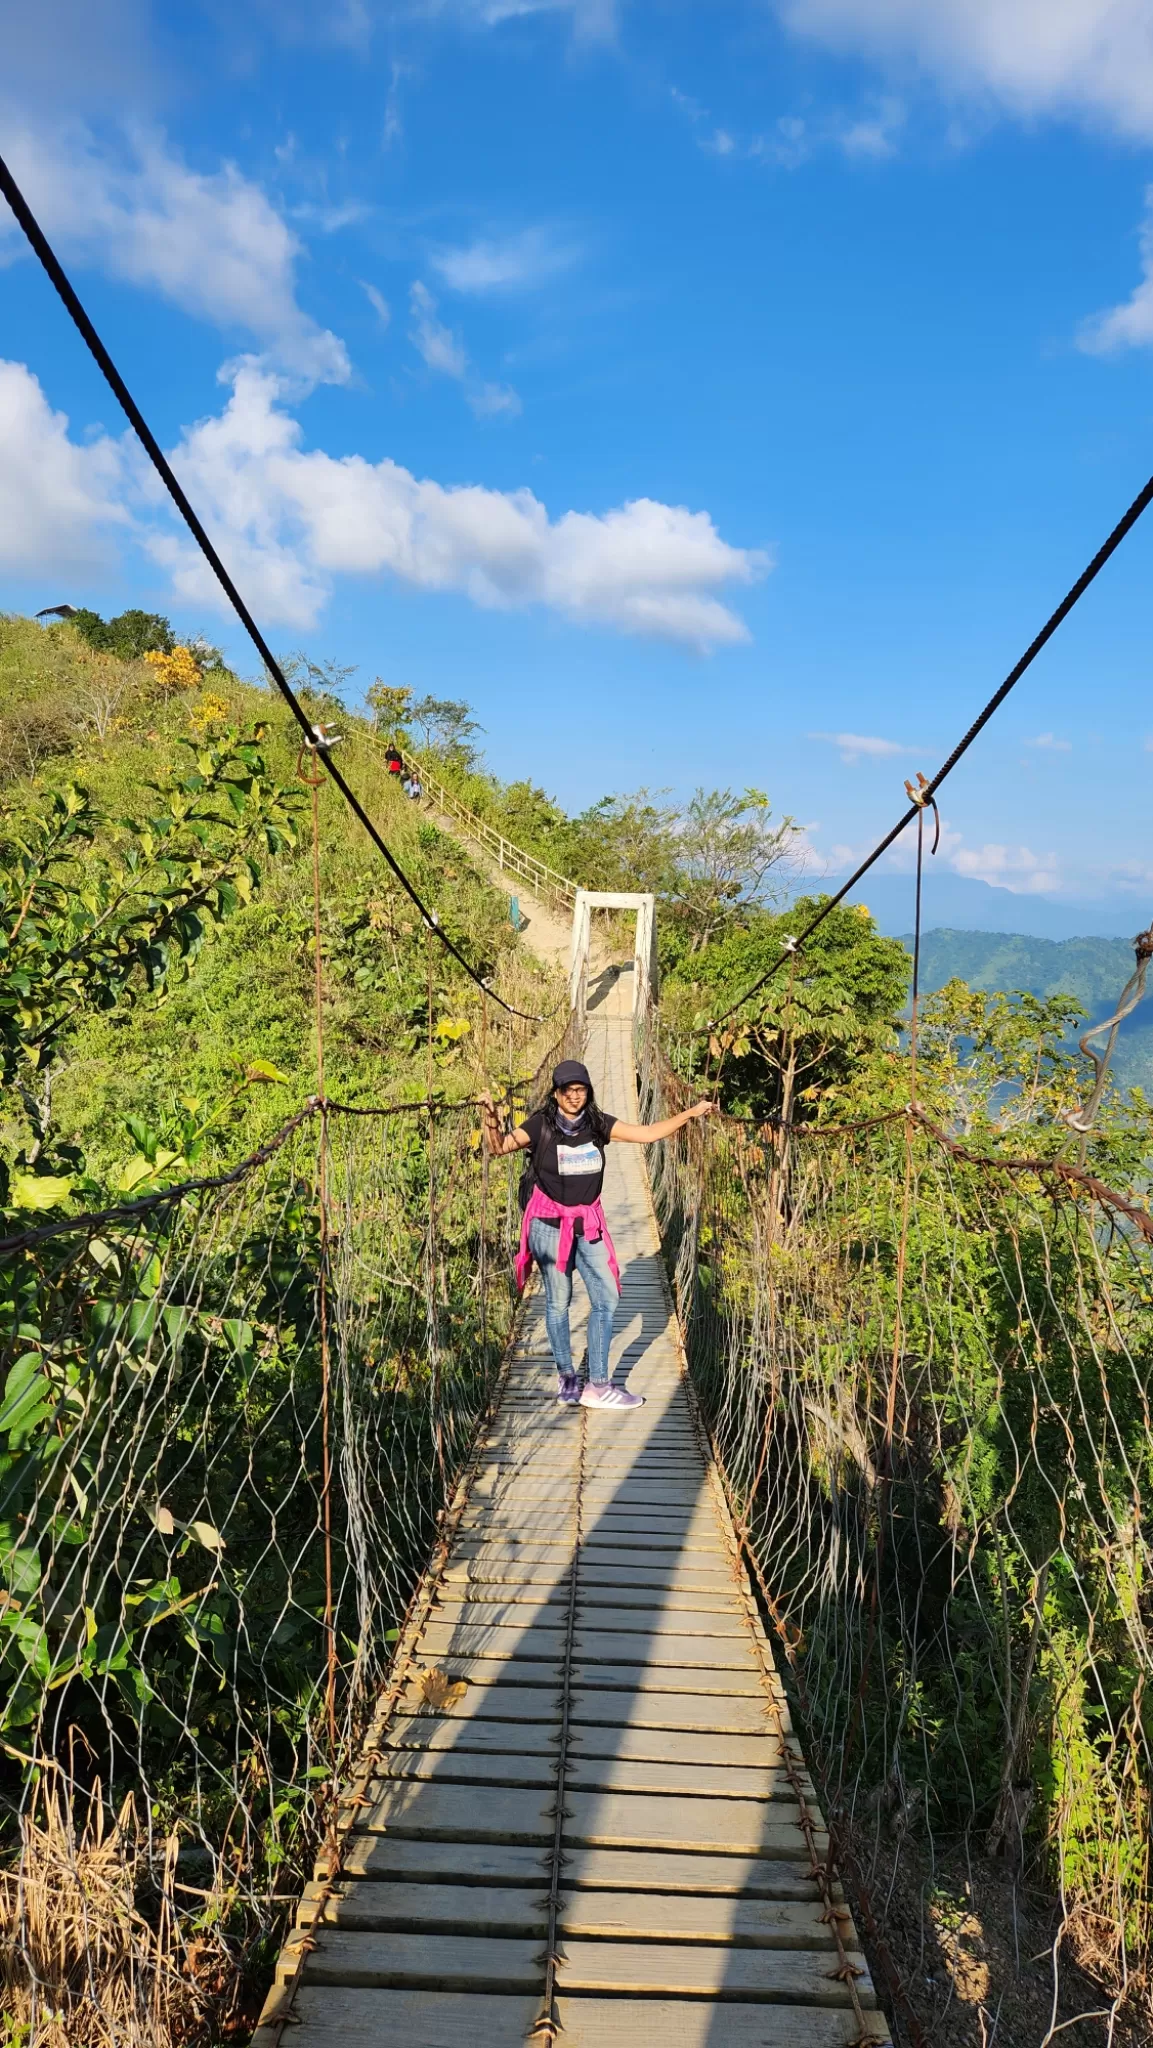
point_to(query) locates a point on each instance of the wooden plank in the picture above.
(639, 1617)
(659, 1644)
(501, 1698)
(487, 1602)
(430, 1962)
(691, 1600)
(336, 2017)
(625, 1820)
(362, 1906)
(670, 1873)
(683, 2023)
(504, 1963)
(463, 1765)
(530, 1640)
(730, 1922)
(462, 1813)
(430, 1731)
(658, 1677)
(694, 1780)
(673, 1745)
(640, 1569)
(643, 1616)
(696, 1970)
(477, 1864)
(491, 1671)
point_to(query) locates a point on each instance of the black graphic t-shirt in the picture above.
(570, 1165)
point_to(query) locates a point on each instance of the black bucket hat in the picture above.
(569, 1073)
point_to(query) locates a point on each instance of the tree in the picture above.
(445, 726)
(323, 680)
(130, 634)
(725, 850)
(391, 706)
(816, 1027)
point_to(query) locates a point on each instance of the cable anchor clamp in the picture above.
(919, 793)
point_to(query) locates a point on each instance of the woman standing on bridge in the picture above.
(564, 1224)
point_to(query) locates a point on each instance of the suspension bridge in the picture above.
(298, 1548)
(584, 1813)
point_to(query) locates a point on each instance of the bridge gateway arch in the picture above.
(644, 950)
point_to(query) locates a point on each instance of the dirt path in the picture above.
(546, 932)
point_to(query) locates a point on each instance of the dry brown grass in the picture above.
(81, 1966)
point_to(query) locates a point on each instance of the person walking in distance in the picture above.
(564, 1225)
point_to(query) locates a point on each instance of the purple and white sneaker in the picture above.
(568, 1388)
(608, 1396)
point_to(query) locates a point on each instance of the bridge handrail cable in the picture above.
(512, 859)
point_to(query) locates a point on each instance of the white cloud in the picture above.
(211, 243)
(57, 496)
(1129, 325)
(855, 744)
(1009, 867)
(872, 135)
(290, 521)
(508, 263)
(330, 219)
(1049, 743)
(393, 130)
(1016, 868)
(492, 401)
(378, 302)
(445, 354)
(439, 349)
(792, 140)
(592, 18)
(1091, 58)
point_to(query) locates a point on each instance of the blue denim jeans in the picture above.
(592, 1263)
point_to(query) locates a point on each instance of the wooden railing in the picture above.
(512, 860)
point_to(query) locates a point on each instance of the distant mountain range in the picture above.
(953, 902)
(1093, 971)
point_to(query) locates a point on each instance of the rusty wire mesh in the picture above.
(200, 1594)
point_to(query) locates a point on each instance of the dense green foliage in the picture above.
(129, 635)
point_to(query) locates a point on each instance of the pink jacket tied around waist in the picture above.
(592, 1221)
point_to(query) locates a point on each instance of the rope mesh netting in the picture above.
(233, 1420)
(928, 1380)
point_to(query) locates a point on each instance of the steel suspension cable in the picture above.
(929, 789)
(67, 294)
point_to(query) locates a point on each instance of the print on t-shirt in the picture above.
(572, 1159)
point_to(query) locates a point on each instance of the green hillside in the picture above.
(1092, 971)
(120, 729)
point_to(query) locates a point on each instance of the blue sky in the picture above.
(710, 393)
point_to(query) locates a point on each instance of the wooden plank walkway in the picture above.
(613, 1661)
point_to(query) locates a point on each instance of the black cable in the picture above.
(1140, 504)
(160, 463)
